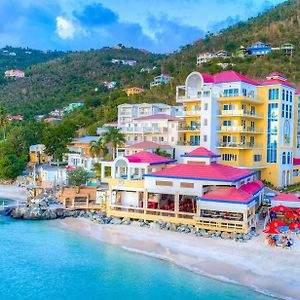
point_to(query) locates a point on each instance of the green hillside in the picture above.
(74, 77)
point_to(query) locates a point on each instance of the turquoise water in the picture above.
(41, 261)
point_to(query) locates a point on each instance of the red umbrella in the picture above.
(272, 231)
(297, 210)
(276, 223)
(293, 226)
(291, 215)
(281, 208)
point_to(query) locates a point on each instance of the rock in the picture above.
(135, 223)
(225, 235)
(116, 221)
(233, 235)
(218, 233)
(173, 227)
(154, 225)
(126, 221)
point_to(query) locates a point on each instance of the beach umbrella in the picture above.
(276, 223)
(297, 210)
(271, 231)
(283, 229)
(293, 226)
(291, 215)
(281, 208)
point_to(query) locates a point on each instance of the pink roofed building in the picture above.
(17, 118)
(14, 74)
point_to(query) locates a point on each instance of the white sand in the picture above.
(274, 271)
(12, 192)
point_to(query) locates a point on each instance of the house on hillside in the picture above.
(133, 91)
(14, 74)
(37, 154)
(129, 62)
(287, 49)
(259, 49)
(164, 78)
(109, 84)
(17, 118)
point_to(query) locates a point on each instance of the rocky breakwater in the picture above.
(42, 207)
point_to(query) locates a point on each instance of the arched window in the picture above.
(283, 158)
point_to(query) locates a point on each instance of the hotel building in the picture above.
(251, 124)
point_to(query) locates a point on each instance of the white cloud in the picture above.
(65, 28)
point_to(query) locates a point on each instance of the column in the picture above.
(176, 204)
(145, 201)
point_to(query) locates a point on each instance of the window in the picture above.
(283, 95)
(163, 183)
(273, 94)
(286, 111)
(257, 157)
(290, 111)
(291, 96)
(205, 138)
(296, 173)
(205, 122)
(227, 123)
(231, 92)
(287, 95)
(289, 158)
(243, 139)
(282, 110)
(206, 93)
(229, 157)
(244, 92)
(272, 137)
(188, 185)
(227, 107)
(283, 158)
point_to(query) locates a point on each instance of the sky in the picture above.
(157, 25)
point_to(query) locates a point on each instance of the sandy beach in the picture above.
(254, 264)
(12, 192)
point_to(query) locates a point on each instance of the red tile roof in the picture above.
(296, 161)
(201, 152)
(276, 81)
(148, 145)
(232, 76)
(159, 117)
(252, 187)
(286, 197)
(214, 172)
(148, 157)
(230, 194)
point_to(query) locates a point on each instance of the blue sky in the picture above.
(156, 25)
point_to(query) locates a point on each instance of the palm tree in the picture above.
(164, 153)
(98, 148)
(3, 121)
(115, 137)
(97, 170)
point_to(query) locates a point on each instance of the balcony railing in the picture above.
(240, 129)
(235, 145)
(192, 113)
(239, 113)
(188, 128)
(240, 97)
(161, 130)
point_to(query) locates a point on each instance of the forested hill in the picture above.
(78, 76)
(22, 58)
(75, 77)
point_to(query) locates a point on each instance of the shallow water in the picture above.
(39, 260)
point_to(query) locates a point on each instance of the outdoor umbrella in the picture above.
(293, 226)
(292, 215)
(271, 231)
(283, 229)
(276, 223)
(297, 210)
(281, 208)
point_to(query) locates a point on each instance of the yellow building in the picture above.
(150, 187)
(133, 91)
(37, 154)
(250, 124)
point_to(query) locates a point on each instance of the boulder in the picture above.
(225, 235)
(116, 221)
(154, 225)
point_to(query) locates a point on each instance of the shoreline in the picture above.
(255, 265)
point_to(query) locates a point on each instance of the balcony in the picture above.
(145, 130)
(184, 128)
(241, 146)
(192, 113)
(240, 113)
(239, 97)
(240, 129)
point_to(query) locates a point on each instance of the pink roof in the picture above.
(214, 172)
(276, 81)
(232, 76)
(202, 152)
(159, 117)
(277, 74)
(148, 145)
(252, 187)
(148, 157)
(166, 75)
(207, 78)
(230, 194)
(286, 197)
